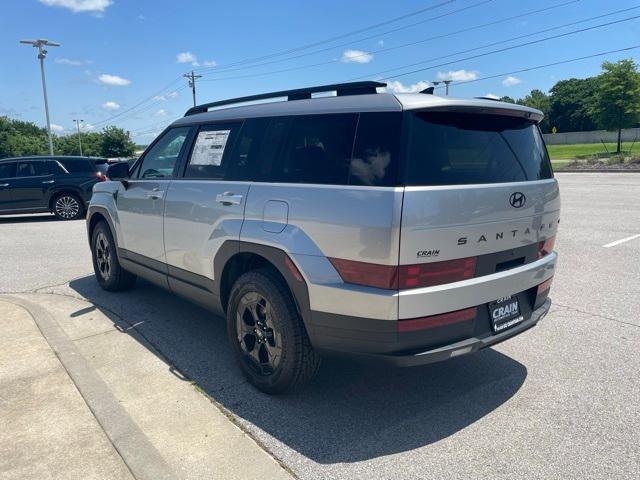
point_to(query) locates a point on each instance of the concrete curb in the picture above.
(595, 170)
(140, 456)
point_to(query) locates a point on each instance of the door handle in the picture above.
(49, 181)
(229, 198)
(4, 184)
(155, 194)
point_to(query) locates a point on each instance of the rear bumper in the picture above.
(376, 343)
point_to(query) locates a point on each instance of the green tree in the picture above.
(116, 142)
(507, 99)
(541, 101)
(617, 101)
(570, 108)
(21, 138)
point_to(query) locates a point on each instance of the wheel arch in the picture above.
(235, 258)
(76, 192)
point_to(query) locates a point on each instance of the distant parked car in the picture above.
(61, 185)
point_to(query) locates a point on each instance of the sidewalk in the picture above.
(82, 396)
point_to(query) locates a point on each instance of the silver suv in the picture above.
(406, 228)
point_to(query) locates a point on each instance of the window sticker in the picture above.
(209, 148)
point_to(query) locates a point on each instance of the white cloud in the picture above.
(76, 6)
(399, 87)
(88, 126)
(111, 106)
(161, 113)
(511, 81)
(209, 63)
(187, 57)
(57, 128)
(164, 98)
(492, 95)
(356, 56)
(115, 80)
(458, 75)
(73, 63)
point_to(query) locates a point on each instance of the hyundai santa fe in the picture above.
(402, 228)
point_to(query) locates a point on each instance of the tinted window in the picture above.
(377, 150)
(55, 168)
(242, 165)
(32, 169)
(211, 151)
(7, 169)
(77, 165)
(450, 149)
(318, 150)
(161, 160)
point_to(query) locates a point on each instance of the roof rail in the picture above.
(342, 89)
(489, 98)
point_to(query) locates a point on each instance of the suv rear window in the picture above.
(78, 165)
(458, 149)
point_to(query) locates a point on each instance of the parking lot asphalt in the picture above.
(559, 401)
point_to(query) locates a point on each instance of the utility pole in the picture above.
(79, 137)
(42, 54)
(446, 85)
(192, 83)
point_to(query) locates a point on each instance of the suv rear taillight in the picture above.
(405, 276)
(440, 320)
(546, 247)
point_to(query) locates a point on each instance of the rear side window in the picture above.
(55, 168)
(377, 150)
(32, 169)
(458, 149)
(78, 166)
(211, 150)
(7, 169)
(317, 150)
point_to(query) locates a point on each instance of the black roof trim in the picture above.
(342, 89)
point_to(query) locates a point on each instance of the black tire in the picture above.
(67, 206)
(297, 361)
(110, 275)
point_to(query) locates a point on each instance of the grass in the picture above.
(586, 150)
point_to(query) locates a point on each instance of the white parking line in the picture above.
(622, 240)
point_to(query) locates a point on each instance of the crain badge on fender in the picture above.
(517, 199)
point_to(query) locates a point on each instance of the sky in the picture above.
(121, 61)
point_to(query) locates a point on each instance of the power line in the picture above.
(302, 67)
(226, 69)
(512, 47)
(341, 36)
(547, 65)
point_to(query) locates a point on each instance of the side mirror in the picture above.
(118, 171)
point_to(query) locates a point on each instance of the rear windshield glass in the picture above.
(455, 149)
(77, 165)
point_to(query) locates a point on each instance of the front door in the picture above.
(7, 173)
(140, 202)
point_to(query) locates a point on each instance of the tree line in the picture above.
(19, 138)
(609, 101)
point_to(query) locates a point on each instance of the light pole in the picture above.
(79, 137)
(42, 53)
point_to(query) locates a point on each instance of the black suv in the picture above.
(61, 185)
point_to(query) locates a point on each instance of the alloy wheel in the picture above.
(67, 207)
(259, 339)
(103, 256)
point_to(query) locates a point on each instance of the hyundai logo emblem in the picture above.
(517, 199)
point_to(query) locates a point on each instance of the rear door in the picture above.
(476, 186)
(205, 206)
